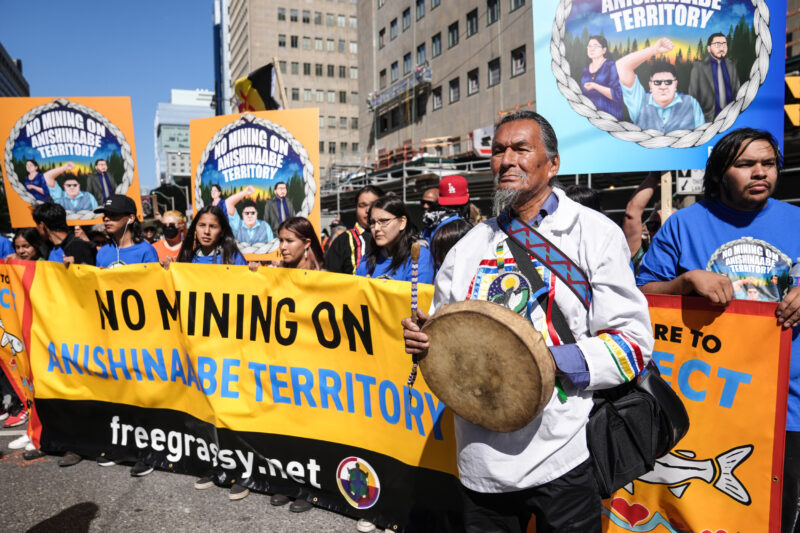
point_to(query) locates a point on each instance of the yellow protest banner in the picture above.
(71, 151)
(280, 378)
(731, 370)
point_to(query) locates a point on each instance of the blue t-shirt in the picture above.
(754, 249)
(142, 252)
(403, 272)
(216, 259)
(6, 248)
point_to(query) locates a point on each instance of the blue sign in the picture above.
(656, 84)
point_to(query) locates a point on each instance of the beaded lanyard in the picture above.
(412, 377)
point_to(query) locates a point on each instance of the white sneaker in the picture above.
(365, 526)
(29, 447)
(19, 442)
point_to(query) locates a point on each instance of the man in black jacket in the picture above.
(66, 247)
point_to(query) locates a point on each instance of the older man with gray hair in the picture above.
(543, 469)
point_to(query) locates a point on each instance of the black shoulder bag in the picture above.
(630, 425)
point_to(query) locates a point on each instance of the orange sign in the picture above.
(731, 369)
(259, 168)
(70, 151)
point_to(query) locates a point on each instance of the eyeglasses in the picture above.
(249, 212)
(381, 222)
(658, 83)
(425, 203)
(70, 185)
(719, 45)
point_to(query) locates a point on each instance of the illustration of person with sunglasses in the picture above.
(661, 108)
(247, 228)
(71, 197)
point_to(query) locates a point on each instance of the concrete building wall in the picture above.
(480, 43)
(262, 31)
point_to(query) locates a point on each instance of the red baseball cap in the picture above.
(453, 190)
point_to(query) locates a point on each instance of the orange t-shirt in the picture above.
(163, 251)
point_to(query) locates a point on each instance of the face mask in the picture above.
(170, 232)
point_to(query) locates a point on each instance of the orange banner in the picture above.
(15, 282)
(731, 369)
(70, 151)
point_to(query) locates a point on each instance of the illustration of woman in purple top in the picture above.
(36, 182)
(600, 81)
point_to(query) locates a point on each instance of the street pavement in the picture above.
(41, 497)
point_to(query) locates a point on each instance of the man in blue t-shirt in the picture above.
(127, 246)
(6, 248)
(739, 243)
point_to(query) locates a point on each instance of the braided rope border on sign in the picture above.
(16, 183)
(308, 174)
(628, 131)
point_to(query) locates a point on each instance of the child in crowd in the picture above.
(393, 233)
(210, 240)
(127, 246)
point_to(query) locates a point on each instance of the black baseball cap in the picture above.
(118, 204)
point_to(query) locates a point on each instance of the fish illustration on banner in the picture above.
(69, 152)
(257, 172)
(725, 477)
(679, 468)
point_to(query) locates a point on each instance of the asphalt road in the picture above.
(41, 497)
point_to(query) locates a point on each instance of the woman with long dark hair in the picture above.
(26, 243)
(394, 234)
(299, 244)
(210, 240)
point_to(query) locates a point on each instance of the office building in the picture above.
(315, 44)
(436, 70)
(12, 82)
(172, 132)
(223, 86)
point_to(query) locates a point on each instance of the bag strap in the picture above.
(525, 266)
(549, 254)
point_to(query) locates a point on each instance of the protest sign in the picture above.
(731, 369)
(244, 163)
(656, 83)
(15, 280)
(71, 151)
(284, 380)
